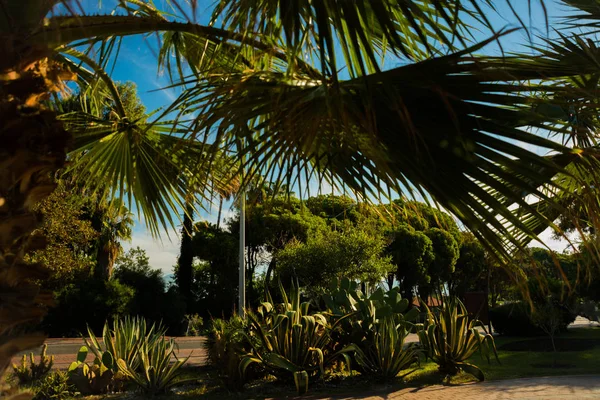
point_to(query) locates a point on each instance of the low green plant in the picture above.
(54, 386)
(29, 372)
(194, 324)
(449, 338)
(376, 332)
(95, 378)
(156, 373)
(125, 340)
(290, 339)
(385, 354)
(227, 342)
(344, 297)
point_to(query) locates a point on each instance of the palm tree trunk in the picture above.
(104, 264)
(33, 148)
(220, 209)
(186, 256)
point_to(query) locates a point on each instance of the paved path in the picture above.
(65, 349)
(552, 388)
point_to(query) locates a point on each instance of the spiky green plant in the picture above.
(125, 339)
(449, 338)
(291, 339)
(156, 373)
(385, 354)
(28, 372)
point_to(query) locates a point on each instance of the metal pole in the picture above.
(242, 269)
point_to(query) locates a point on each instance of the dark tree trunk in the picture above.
(220, 210)
(104, 264)
(270, 269)
(186, 256)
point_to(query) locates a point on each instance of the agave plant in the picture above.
(450, 337)
(156, 373)
(385, 354)
(124, 341)
(291, 339)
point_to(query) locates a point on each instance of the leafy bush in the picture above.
(88, 302)
(515, 319)
(96, 378)
(449, 339)
(30, 372)
(194, 325)
(133, 269)
(155, 374)
(290, 339)
(54, 386)
(226, 344)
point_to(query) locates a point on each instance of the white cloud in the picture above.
(559, 245)
(162, 252)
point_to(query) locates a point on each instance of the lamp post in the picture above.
(242, 268)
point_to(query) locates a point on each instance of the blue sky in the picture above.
(137, 63)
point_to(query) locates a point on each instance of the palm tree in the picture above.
(267, 85)
(114, 222)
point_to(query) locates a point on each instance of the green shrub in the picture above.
(54, 386)
(449, 339)
(226, 344)
(515, 319)
(195, 323)
(29, 372)
(86, 303)
(95, 378)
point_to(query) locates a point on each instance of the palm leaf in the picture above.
(451, 127)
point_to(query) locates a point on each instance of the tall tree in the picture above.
(114, 223)
(185, 261)
(470, 272)
(412, 253)
(446, 252)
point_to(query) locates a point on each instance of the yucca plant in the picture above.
(449, 338)
(156, 373)
(384, 355)
(290, 339)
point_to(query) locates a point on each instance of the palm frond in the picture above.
(454, 127)
(360, 33)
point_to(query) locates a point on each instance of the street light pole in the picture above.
(242, 268)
